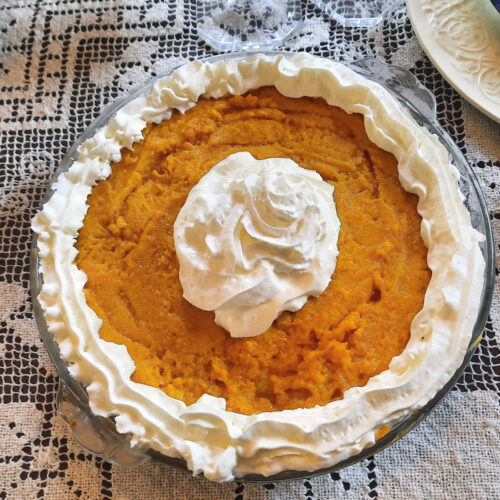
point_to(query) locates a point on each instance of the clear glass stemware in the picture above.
(232, 25)
(360, 13)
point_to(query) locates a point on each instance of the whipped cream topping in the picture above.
(221, 444)
(255, 238)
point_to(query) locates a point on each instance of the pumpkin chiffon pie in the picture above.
(342, 361)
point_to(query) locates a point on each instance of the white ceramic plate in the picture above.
(462, 39)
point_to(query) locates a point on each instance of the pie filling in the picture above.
(310, 357)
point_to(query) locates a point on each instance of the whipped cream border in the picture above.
(221, 444)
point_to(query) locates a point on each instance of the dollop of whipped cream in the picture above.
(255, 238)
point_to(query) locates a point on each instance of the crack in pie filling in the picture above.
(374, 315)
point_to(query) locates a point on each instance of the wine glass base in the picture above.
(358, 13)
(247, 24)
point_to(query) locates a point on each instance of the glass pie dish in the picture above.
(99, 435)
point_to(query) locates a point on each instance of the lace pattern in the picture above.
(61, 63)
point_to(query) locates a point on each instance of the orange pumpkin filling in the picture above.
(311, 357)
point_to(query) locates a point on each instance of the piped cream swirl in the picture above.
(255, 238)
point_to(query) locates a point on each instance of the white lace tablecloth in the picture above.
(61, 63)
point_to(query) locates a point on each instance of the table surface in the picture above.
(61, 63)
